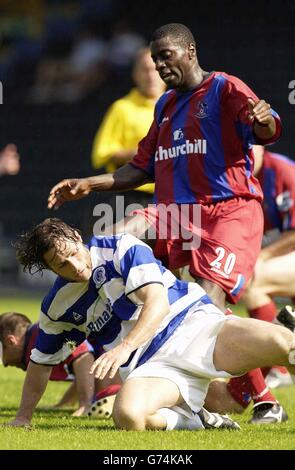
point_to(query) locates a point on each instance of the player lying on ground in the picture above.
(18, 337)
(164, 335)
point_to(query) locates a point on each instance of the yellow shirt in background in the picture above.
(126, 122)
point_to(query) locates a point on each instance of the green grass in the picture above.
(58, 430)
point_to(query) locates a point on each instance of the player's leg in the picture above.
(231, 240)
(220, 400)
(153, 403)
(215, 292)
(137, 404)
(273, 277)
(253, 343)
(84, 382)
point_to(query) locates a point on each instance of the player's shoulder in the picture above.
(162, 104)
(62, 294)
(112, 246)
(104, 241)
(231, 82)
(127, 240)
(165, 97)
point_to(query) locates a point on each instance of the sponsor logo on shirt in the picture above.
(202, 110)
(178, 134)
(102, 319)
(197, 147)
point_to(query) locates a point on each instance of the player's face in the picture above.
(70, 260)
(12, 352)
(173, 62)
(147, 78)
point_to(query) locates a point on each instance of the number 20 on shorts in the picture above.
(223, 263)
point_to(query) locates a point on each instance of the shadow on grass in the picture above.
(8, 410)
(87, 427)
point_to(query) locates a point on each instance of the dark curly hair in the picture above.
(177, 31)
(31, 246)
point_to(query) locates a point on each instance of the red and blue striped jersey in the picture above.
(199, 146)
(277, 179)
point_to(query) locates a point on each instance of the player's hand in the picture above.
(20, 423)
(260, 111)
(9, 160)
(82, 411)
(68, 190)
(109, 362)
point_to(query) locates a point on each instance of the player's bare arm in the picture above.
(36, 380)
(68, 398)
(84, 382)
(155, 308)
(126, 177)
(264, 122)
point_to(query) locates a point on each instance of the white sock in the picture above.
(176, 420)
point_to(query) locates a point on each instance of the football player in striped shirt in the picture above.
(165, 336)
(199, 153)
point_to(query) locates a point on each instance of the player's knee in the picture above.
(283, 342)
(129, 417)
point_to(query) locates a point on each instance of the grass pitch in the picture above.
(58, 430)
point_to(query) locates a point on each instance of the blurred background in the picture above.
(63, 62)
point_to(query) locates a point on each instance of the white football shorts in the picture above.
(187, 356)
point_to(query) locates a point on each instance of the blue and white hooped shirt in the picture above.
(107, 307)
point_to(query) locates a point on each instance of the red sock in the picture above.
(265, 312)
(265, 371)
(250, 386)
(106, 392)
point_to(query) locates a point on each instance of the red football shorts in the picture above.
(219, 242)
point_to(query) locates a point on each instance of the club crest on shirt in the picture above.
(99, 276)
(202, 110)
